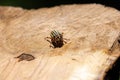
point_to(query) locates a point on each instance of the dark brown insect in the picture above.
(56, 39)
(24, 56)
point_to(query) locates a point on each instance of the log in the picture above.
(91, 29)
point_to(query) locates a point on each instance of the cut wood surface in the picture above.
(91, 28)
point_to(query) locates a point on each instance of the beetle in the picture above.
(56, 39)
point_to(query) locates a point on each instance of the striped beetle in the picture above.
(56, 39)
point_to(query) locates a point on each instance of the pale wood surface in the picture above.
(91, 28)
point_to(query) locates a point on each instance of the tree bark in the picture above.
(90, 28)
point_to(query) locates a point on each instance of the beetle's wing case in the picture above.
(52, 34)
(55, 33)
(58, 34)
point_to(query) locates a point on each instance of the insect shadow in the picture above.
(56, 39)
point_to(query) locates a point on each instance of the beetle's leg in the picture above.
(65, 40)
(52, 46)
(62, 33)
(47, 39)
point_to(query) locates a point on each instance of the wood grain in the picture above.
(91, 28)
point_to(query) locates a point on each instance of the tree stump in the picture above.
(90, 28)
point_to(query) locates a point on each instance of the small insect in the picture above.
(56, 39)
(24, 56)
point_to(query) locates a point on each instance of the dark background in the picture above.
(34, 4)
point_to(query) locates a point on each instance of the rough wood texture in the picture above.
(91, 28)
